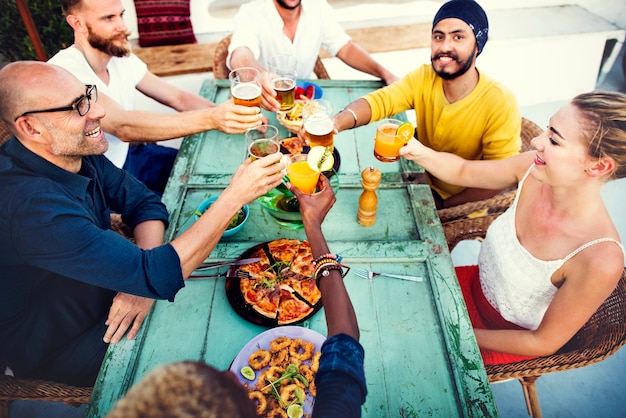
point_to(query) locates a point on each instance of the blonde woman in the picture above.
(554, 256)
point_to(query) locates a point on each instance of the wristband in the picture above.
(324, 271)
(353, 115)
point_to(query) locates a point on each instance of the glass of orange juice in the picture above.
(301, 175)
(388, 143)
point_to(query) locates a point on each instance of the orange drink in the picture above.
(245, 86)
(301, 175)
(388, 144)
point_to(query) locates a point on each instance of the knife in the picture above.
(243, 261)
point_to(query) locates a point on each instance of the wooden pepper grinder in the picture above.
(370, 179)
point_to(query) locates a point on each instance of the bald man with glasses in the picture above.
(70, 285)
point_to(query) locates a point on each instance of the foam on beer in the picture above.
(246, 91)
(319, 124)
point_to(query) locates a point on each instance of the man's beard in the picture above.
(465, 66)
(282, 4)
(106, 44)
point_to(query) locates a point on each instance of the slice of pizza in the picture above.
(283, 250)
(303, 286)
(258, 268)
(303, 260)
(291, 309)
(293, 144)
(264, 300)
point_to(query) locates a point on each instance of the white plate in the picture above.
(263, 340)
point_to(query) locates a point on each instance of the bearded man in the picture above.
(458, 109)
(101, 56)
(264, 28)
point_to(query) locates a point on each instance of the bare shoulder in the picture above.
(603, 262)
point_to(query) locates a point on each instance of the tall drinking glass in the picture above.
(262, 141)
(245, 86)
(319, 124)
(282, 70)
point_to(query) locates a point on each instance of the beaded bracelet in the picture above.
(324, 271)
(323, 257)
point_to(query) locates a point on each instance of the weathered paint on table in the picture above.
(421, 355)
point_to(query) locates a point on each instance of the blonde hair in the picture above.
(605, 128)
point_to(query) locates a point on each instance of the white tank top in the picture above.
(514, 282)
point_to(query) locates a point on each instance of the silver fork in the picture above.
(368, 274)
(239, 274)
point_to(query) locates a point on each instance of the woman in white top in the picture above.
(550, 261)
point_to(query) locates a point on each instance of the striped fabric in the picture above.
(164, 22)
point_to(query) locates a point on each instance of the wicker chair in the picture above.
(221, 71)
(495, 203)
(600, 337)
(15, 389)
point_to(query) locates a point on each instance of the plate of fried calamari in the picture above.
(277, 367)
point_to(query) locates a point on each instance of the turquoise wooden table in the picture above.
(421, 355)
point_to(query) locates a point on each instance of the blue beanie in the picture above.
(469, 12)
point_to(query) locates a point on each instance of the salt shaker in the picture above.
(370, 179)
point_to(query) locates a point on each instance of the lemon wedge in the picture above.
(295, 411)
(405, 131)
(247, 372)
(320, 158)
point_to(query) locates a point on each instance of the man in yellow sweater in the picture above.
(457, 108)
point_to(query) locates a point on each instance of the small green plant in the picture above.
(15, 44)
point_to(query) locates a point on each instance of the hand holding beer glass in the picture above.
(282, 72)
(391, 135)
(319, 124)
(262, 141)
(245, 86)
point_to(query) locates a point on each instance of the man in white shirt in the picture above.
(101, 56)
(263, 28)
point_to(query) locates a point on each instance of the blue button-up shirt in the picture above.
(61, 264)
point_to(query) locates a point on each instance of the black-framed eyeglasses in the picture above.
(81, 105)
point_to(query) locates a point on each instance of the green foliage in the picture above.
(15, 44)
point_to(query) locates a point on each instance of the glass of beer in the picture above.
(262, 141)
(300, 174)
(282, 71)
(245, 86)
(388, 143)
(319, 124)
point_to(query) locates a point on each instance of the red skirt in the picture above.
(483, 315)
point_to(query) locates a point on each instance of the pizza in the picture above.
(294, 144)
(280, 286)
